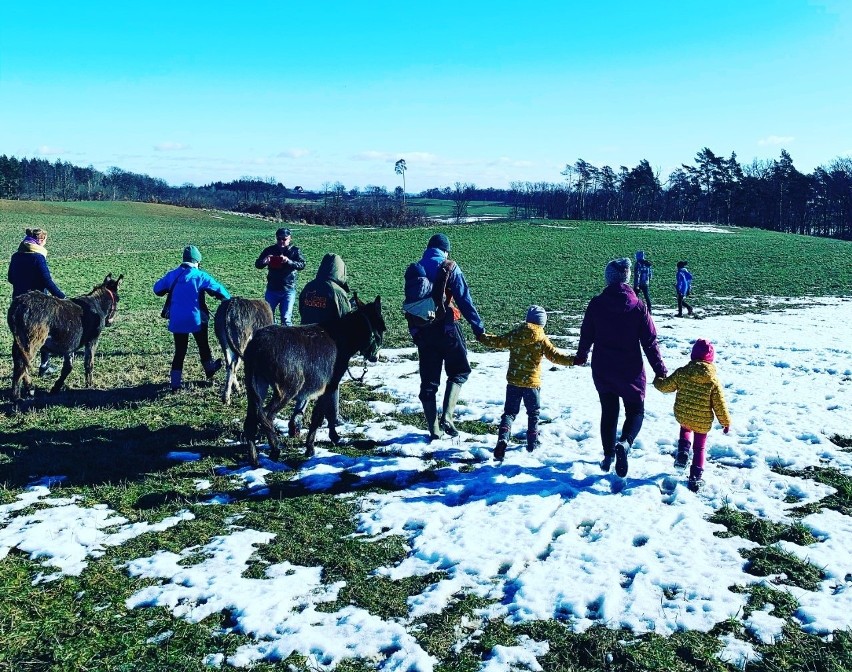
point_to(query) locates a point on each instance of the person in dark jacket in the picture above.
(440, 343)
(188, 315)
(28, 271)
(643, 271)
(618, 327)
(324, 298)
(283, 261)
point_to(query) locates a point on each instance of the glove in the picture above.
(579, 361)
(725, 430)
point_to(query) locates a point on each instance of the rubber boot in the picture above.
(211, 367)
(430, 411)
(451, 396)
(606, 462)
(695, 483)
(532, 435)
(502, 438)
(176, 379)
(682, 456)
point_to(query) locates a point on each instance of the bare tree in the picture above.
(400, 168)
(461, 196)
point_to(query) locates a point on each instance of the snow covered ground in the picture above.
(544, 534)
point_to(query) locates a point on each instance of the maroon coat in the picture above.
(617, 324)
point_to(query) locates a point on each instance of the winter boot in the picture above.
(176, 379)
(46, 368)
(502, 438)
(533, 437)
(606, 462)
(695, 483)
(682, 455)
(430, 411)
(451, 396)
(211, 367)
(294, 426)
(622, 448)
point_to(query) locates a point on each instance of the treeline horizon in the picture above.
(766, 194)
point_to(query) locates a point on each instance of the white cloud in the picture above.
(46, 150)
(170, 147)
(295, 153)
(776, 140)
(410, 157)
(508, 161)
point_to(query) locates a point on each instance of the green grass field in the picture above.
(110, 441)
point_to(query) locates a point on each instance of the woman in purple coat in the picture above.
(619, 327)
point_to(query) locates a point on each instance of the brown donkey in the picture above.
(235, 322)
(305, 362)
(61, 326)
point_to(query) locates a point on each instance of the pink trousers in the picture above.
(698, 445)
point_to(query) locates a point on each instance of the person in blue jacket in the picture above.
(188, 314)
(28, 271)
(440, 343)
(683, 283)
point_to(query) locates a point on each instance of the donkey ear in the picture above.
(378, 302)
(120, 278)
(107, 278)
(358, 301)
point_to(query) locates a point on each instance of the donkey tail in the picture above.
(18, 325)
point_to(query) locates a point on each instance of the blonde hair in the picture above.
(37, 233)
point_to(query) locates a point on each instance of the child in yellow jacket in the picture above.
(699, 397)
(527, 344)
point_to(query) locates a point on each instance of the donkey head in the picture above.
(111, 284)
(373, 313)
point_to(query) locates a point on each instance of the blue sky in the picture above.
(486, 93)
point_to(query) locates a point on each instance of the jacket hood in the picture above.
(618, 298)
(27, 246)
(332, 268)
(703, 372)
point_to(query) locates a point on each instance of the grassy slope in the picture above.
(110, 441)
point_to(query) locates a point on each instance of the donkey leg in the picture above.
(317, 416)
(89, 361)
(278, 402)
(66, 369)
(19, 372)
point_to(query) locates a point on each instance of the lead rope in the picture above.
(360, 381)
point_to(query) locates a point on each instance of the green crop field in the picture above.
(440, 207)
(110, 442)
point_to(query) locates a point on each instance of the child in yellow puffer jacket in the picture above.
(527, 344)
(699, 397)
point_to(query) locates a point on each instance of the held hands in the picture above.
(725, 430)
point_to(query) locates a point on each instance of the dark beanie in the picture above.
(617, 271)
(282, 233)
(536, 315)
(191, 253)
(439, 241)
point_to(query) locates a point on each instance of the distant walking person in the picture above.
(283, 261)
(28, 271)
(324, 298)
(618, 327)
(527, 345)
(699, 397)
(438, 336)
(683, 284)
(188, 314)
(643, 271)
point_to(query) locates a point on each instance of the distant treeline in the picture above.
(769, 194)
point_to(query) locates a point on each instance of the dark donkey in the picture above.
(235, 321)
(61, 326)
(305, 362)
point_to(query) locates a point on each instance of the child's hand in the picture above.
(725, 430)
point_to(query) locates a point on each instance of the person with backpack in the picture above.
(436, 297)
(683, 284)
(643, 271)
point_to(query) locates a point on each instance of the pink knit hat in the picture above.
(703, 351)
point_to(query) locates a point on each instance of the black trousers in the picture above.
(202, 339)
(634, 414)
(441, 346)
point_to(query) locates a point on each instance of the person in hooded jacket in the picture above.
(699, 397)
(617, 327)
(28, 271)
(188, 314)
(683, 285)
(324, 298)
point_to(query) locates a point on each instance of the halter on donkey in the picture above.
(305, 362)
